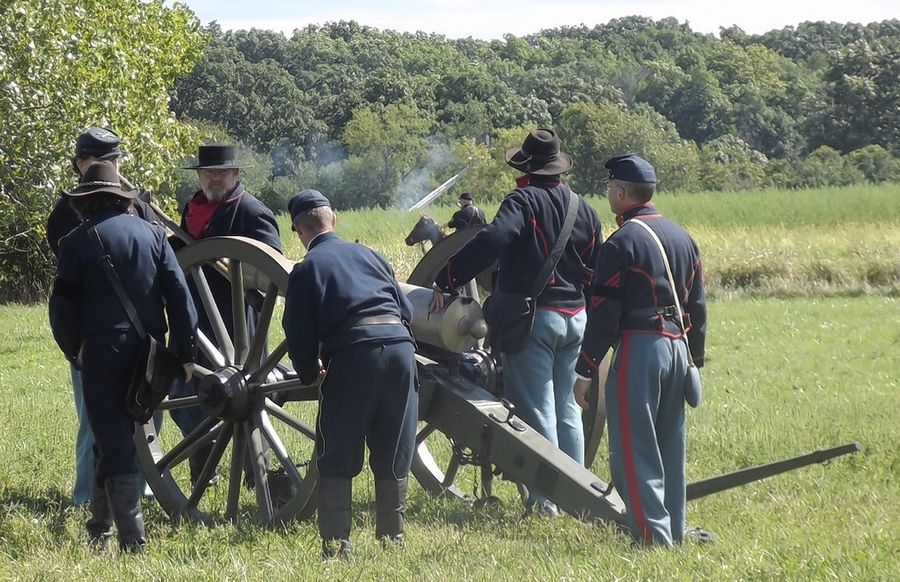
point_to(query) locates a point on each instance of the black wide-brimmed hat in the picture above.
(98, 142)
(101, 177)
(466, 196)
(216, 156)
(540, 154)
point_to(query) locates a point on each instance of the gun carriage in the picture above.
(256, 409)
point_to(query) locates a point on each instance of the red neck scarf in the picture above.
(199, 213)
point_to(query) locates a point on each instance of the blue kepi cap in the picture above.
(631, 168)
(306, 201)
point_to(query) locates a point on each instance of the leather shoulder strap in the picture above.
(553, 258)
(114, 280)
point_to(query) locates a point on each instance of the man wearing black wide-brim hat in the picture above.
(538, 378)
(222, 207)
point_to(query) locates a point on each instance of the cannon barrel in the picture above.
(455, 328)
(737, 478)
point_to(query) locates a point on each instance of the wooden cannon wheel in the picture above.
(436, 463)
(246, 397)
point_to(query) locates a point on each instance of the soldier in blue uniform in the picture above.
(468, 214)
(93, 145)
(633, 309)
(94, 331)
(539, 378)
(344, 297)
(222, 207)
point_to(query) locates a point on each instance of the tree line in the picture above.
(378, 118)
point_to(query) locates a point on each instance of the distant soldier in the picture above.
(93, 145)
(633, 307)
(468, 214)
(343, 305)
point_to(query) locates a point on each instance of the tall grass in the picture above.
(774, 243)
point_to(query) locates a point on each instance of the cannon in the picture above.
(251, 398)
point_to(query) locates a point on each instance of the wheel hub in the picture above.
(227, 394)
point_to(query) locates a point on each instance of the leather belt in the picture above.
(353, 322)
(666, 311)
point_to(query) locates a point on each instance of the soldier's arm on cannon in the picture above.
(483, 251)
(300, 326)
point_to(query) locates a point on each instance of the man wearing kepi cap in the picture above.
(344, 310)
(634, 308)
(538, 377)
(93, 145)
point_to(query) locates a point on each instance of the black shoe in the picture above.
(336, 550)
(699, 535)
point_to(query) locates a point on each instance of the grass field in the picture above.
(788, 371)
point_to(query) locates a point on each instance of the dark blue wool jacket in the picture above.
(522, 235)
(631, 279)
(336, 282)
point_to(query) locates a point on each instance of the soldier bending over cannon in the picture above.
(346, 297)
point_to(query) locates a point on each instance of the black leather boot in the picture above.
(390, 509)
(99, 526)
(335, 497)
(125, 501)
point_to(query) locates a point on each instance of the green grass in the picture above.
(783, 377)
(803, 353)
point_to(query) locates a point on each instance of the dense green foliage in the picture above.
(66, 65)
(804, 107)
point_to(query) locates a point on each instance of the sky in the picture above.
(487, 20)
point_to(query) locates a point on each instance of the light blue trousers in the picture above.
(645, 413)
(84, 444)
(539, 381)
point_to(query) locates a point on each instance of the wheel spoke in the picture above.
(190, 444)
(238, 311)
(201, 371)
(210, 465)
(210, 350)
(215, 316)
(261, 333)
(176, 403)
(291, 384)
(425, 433)
(260, 473)
(452, 470)
(289, 419)
(234, 477)
(280, 450)
(270, 362)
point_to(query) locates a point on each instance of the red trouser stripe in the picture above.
(627, 446)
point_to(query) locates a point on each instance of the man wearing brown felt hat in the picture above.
(538, 371)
